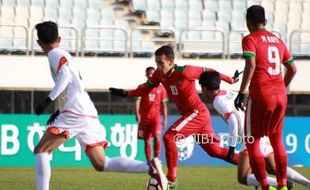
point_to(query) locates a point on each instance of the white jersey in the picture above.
(69, 89)
(224, 105)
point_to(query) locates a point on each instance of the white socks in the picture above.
(297, 177)
(43, 171)
(123, 164)
(251, 181)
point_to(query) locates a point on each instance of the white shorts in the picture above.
(264, 145)
(87, 130)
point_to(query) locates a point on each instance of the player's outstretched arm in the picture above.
(118, 92)
(230, 80)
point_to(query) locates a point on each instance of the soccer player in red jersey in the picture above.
(264, 53)
(179, 82)
(148, 111)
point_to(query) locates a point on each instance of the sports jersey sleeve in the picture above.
(64, 77)
(192, 72)
(222, 76)
(248, 47)
(146, 87)
(287, 57)
(228, 115)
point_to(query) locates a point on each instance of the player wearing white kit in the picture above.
(76, 117)
(223, 102)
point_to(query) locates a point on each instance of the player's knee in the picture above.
(99, 167)
(168, 137)
(39, 149)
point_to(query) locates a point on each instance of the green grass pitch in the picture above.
(77, 178)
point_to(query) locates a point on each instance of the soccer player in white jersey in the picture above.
(77, 117)
(223, 102)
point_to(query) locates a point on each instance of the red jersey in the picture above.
(180, 87)
(150, 104)
(269, 52)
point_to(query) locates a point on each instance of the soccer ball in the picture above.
(153, 184)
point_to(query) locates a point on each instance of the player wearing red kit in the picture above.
(148, 112)
(179, 82)
(264, 53)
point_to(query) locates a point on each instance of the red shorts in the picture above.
(148, 130)
(264, 115)
(196, 123)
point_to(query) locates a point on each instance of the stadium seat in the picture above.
(225, 5)
(194, 19)
(268, 5)
(239, 5)
(23, 2)
(139, 5)
(7, 12)
(181, 5)
(223, 16)
(92, 17)
(210, 5)
(50, 14)
(79, 14)
(167, 5)
(153, 5)
(80, 4)
(180, 21)
(36, 12)
(6, 42)
(37, 3)
(9, 3)
(51, 3)
(65, 15)
(208, 16)
(152, 16)
(69, 4)
(195, 5)
(166, 19)
(95, 4)
(253, 2)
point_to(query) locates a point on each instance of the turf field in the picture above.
(190, 178)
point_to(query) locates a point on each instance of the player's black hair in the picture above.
(210, 80)
(47, 32)
(256, 14)
(148, 69)
(165, 50)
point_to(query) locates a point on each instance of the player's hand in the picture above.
(41, 107)
(230, 154)
(118, 92)
(53, 117)
(239, 101)
(236, 76)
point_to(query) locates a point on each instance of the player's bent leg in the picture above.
(244, 168)
(157, 146)
(213, 149)
(257, 163)
(97, 157)
(42, 151)
(171, 154)
(280, 158)
(148, 149)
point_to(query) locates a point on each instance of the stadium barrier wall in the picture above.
(20, 133)
(32, 73)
